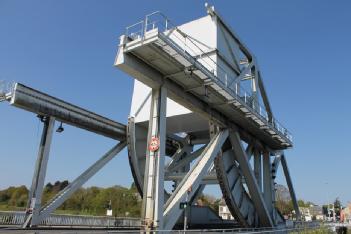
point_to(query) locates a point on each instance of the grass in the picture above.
(319, 230)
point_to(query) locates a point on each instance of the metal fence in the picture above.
(298, 227)
(12, 218)
(17, 218)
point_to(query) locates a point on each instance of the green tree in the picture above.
(337, 207)
(19, 196)
(89, 201)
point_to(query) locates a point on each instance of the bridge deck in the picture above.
(161, 52)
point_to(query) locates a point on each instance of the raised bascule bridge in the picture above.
(200, 115)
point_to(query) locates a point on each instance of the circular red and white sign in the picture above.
(154, 144)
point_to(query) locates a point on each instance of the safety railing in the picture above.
(136, 30)
(17, 218)
(11, 218)
(193, 50)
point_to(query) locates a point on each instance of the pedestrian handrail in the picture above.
(18, 217)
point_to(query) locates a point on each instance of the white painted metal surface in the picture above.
(153, 195)
(210, 76)
(37, 187)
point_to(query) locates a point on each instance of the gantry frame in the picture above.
(154, 58)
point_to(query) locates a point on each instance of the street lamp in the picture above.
(60, 128)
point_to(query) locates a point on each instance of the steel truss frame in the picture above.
(160, 213)
(49, 110)
(166, 213)
(257, 208)
(35, 212)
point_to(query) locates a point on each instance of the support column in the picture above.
(267, 182)
(258, 168)
(36, 190)
(153, 195)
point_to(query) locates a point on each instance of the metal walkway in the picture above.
(182, 61)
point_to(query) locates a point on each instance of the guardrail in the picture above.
(17, 218)
(159, 21)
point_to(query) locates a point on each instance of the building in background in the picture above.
(224, 212)
(345, 214)
(313, 212)
(316, 212)
(305, 214)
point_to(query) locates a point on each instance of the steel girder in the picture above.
(43, 104)
(153, 195)
(36, 190)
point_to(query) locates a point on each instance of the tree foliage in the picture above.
(89, 201)
(14, 196)
(208, 200)
(286, 207)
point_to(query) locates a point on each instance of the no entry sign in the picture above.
(154, 144)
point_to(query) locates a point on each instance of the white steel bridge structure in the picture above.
(199, 115)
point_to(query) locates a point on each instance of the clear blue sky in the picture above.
(67, 49)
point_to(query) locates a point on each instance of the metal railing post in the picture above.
(142, 30)
(145, 26)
